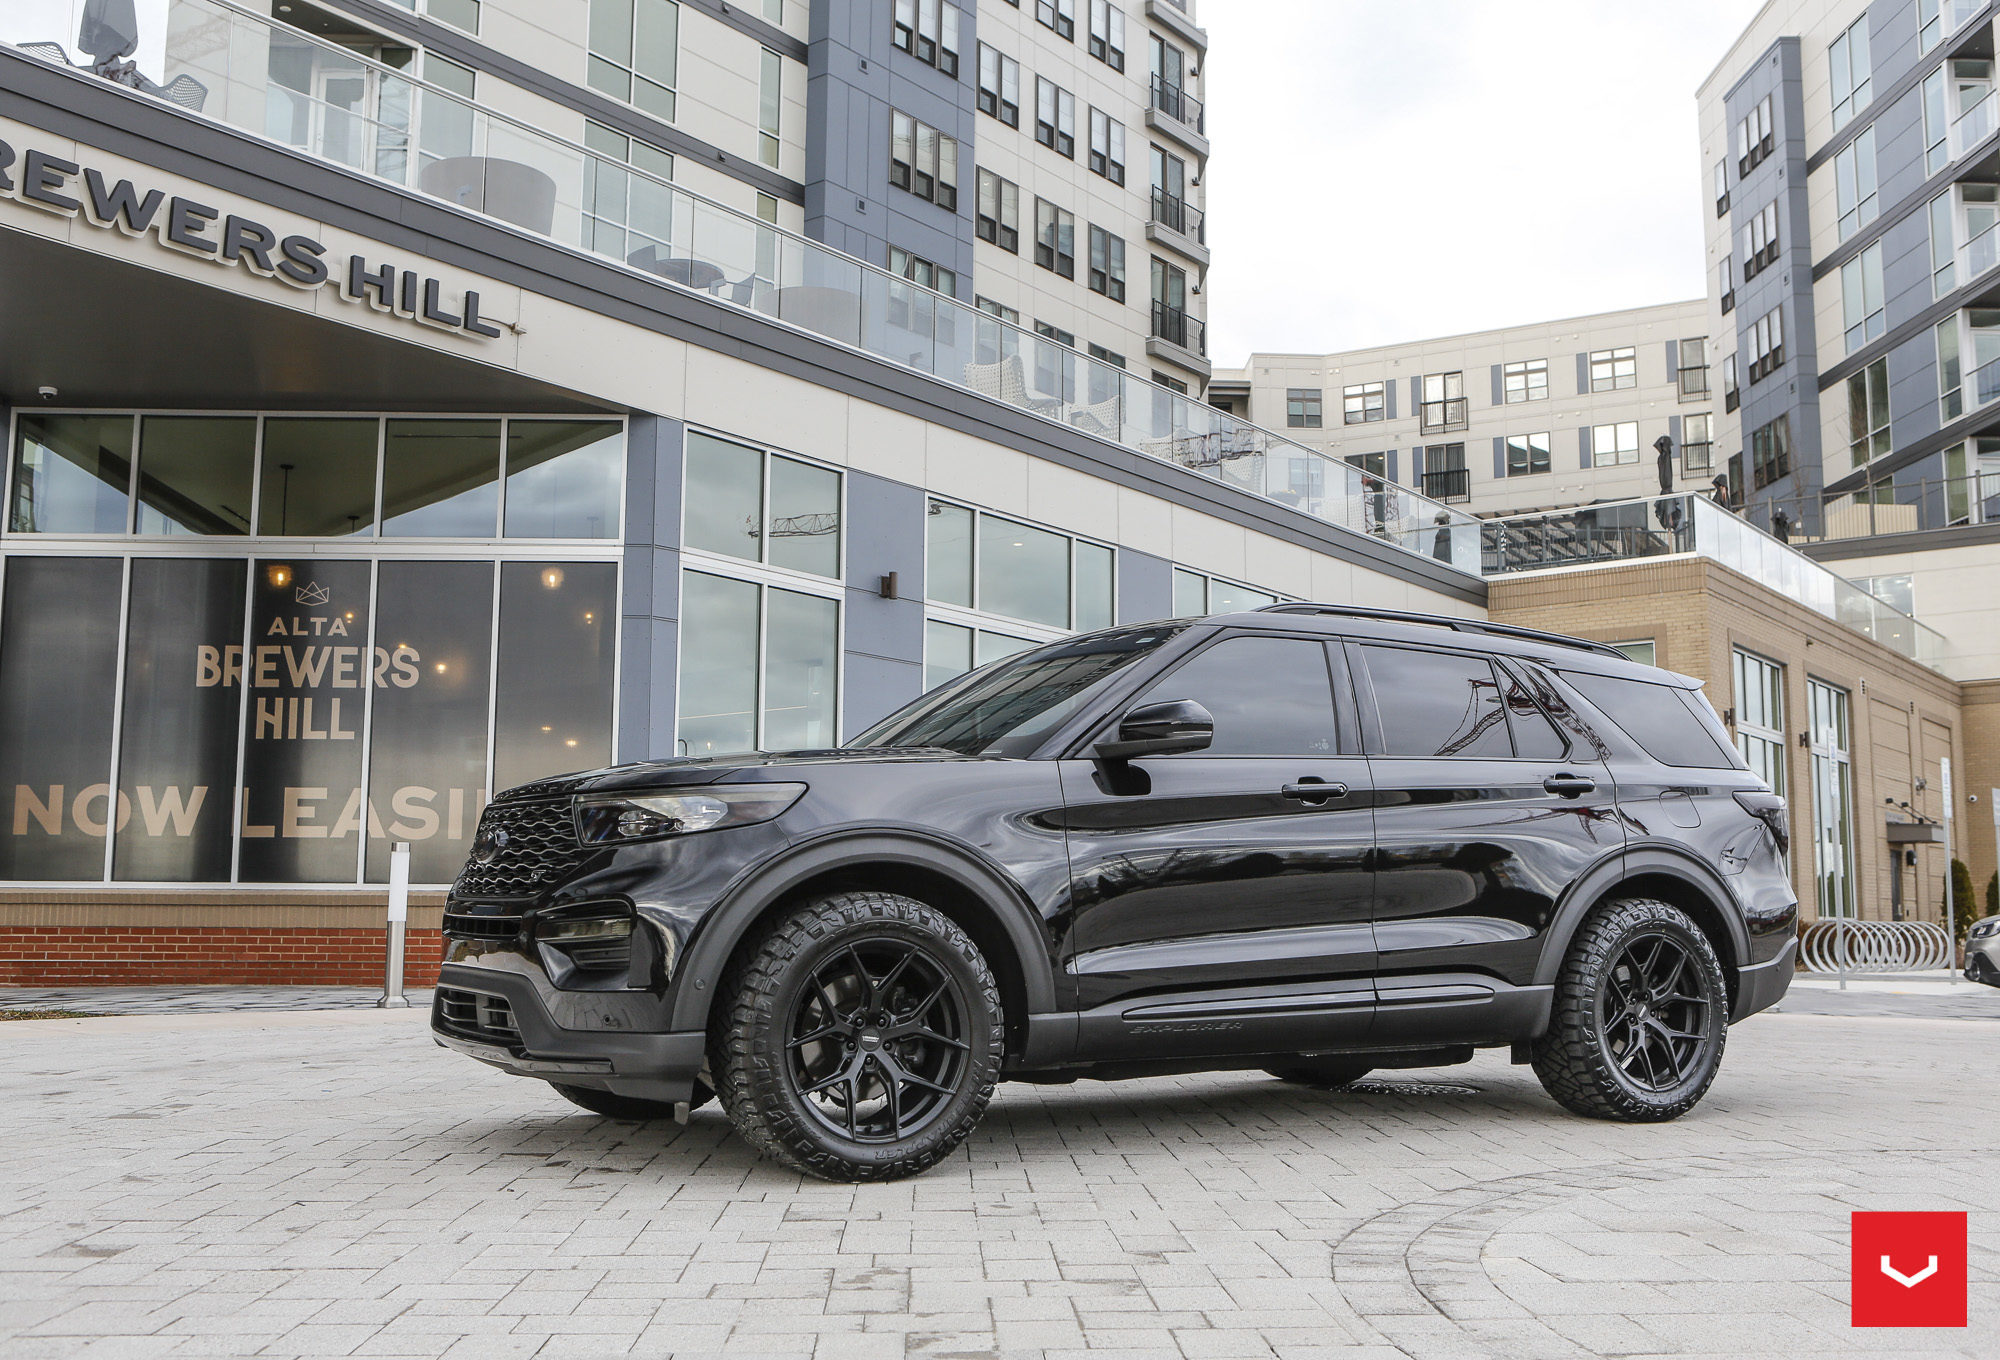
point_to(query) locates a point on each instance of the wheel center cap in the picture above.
(870, 1040)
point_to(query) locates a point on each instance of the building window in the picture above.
(1722, 188)
(1009, 569)
(1372, 464)
(1754, 140)
(1833, 797)
(1058, 15)
(1169, 84)
(1732, 395)
(1527, 454)
(770, 104)
(635, 52)
(928, 31)
(760, 666)
(1171, 321)
(1861, 298)
(1760, 717)
(625, 214)
(1692, 377)
(1055, 117)
(1197, 596)
(1614, 444)
(1937, 123)
(1612, 369)
(1725, 273)
(1767, 344)
(918, 270)
(1760, 241)
(1107, 264)
(1950, 375)
(923, 161)
(1642, 651)
(1302, 408)
(999, 85)
(1770, 452)
(1445, 475)
(1943, 246)
(458, 13)
(1443, 405)
(774, 11)
(1854, 183)
(1527, 380)
(1055, 238)
(1697, 443)
(1930, 26)
(1055, 364)
(1171, 383)
(1868, 413)
(1107, 33)
(1107, 146)
(1361, 403)
(1849, 72)
(999, 211)
(757, 506)
(1011, 315)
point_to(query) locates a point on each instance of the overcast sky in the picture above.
(1392, 171)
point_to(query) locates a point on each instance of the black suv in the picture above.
(1311, 840)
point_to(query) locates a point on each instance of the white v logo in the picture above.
(1909, 1281)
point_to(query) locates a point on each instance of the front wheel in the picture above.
(859, 1038)
(1641, 1016)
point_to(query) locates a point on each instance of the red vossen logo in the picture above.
(1908, 1270)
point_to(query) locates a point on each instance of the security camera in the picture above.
(45, 392)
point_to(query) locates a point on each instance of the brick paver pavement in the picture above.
(332, 1184)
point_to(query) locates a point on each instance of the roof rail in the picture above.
(1445, 621)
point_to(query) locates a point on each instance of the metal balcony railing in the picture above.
(428, 141)
(1176, 327)
(1178, 215)
(1900, 507)
(1436, 416)
(1448, 484)
(1624, 531)
(1177, 104)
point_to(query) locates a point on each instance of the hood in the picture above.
(684, 771)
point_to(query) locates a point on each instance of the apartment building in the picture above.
(1523, 418)
(405, 401)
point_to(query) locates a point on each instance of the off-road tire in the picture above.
(1574, 1060)
(1326, 1074)
(613, 1106)
(747, 1053)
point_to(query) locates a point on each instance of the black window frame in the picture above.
(1058, 16)
(1105, 274)
(992, 99)
(1060, 135)
(938, 47)
(1102, 160)
(927, 182)
(1049, 254)
(1108, 46)
(1001, 227)
(1305, 408)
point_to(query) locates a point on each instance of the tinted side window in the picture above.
(1660, 718)
(1535, 737)
(1437, 703)
(1270, 696)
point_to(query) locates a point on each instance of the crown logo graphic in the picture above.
(312, 592)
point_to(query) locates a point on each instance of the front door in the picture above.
(1485, 811)
(1220, 899)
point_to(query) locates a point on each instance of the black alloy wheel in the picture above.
(875, 1045)
(1640, 1015)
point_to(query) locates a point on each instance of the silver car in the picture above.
(1982, 951)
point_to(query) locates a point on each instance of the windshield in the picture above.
(1008, 708)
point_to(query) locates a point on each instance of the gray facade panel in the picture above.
(1145, 587)
(1913, 394)
(885, 533)
(649, 626)
(1899, 149)
(1906, 270)
(876, 686)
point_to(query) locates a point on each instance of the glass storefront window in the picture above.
(805, 517)
(1015, 570)
(318, 478)
(1093, 587)
(948, 558)
(441, 478)
(760, 667)
(947, 652)
(564, 478)
(195, 474)
(1190, 594)
(1196, 595)
(801, 668)
(552, 699)
(72, 474)
(1023, 572)
(795, 526)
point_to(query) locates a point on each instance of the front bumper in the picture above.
(507, 1025)
(1759, 986)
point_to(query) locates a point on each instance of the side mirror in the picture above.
(1161, 729)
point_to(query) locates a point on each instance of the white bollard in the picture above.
(399, 915)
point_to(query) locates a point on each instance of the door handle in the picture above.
(1569, 785)
(1315, 791)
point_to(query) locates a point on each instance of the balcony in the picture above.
(1175, 113)
(1178, 225)
(1448, 484)
(1625, 531)
(433, 144)
(1974, 125)
(1921, 506)
(1442, 417)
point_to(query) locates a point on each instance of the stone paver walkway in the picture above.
(333, 1184)
(197, 1000)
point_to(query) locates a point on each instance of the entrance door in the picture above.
(1221, 899)
(1484, 814)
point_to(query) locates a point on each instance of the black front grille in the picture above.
(477, 1015)
(521, 848)
(462, 926)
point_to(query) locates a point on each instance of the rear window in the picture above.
(1664, 719)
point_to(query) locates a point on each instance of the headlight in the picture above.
(1982, 930)
(608, 818)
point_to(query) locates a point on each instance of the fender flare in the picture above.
(1634, 860)
(697, 977)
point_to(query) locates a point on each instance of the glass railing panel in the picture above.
(1975, 125)
(1979, 254)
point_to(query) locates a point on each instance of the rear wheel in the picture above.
(1325, 1073)
(860, 1038)
(1641, 1016)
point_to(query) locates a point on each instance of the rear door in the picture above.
(1221, 900)
(1485, 811)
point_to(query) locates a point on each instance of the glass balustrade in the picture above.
(276, 82)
